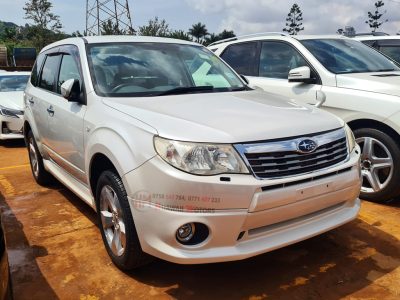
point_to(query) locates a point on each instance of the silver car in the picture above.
(180, 159)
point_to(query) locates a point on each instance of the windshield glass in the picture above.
(341, 56)
(13, 83)
(154, 69)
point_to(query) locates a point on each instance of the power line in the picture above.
(99, 12)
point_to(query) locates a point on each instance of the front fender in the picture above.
(127, 148)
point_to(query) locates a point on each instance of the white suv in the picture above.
(347, 78)
(387, 44)
(180, 159)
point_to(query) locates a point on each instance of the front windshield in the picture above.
(13, 83)
(153, 69)
(342, 56)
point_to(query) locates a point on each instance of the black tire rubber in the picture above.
(44, 178)
(133, 257)
(392, 190)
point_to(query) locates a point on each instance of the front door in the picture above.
(66, 119)
(277, 58)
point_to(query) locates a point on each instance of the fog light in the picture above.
(185, 232)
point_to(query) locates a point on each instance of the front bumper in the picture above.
(245, 216)
(11, 128)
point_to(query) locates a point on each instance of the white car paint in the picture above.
(13, 100)
(268, 213)
(370, 97)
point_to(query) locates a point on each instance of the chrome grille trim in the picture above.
(280, 159)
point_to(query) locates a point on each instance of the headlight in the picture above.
(10, 112)
(351, 140)
(200, 158)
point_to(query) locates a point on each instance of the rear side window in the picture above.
(49, 72)
(241, 57)
(36, 69)
(277, 59)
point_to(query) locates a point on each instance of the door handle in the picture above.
(50, 110)
(30, 100)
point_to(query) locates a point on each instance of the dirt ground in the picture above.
(55, 251)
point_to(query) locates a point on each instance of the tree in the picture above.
(155, 27)
(293, 20)
(78, 34)
(212, 38)
(374, 17)
(180, 35)
(46, 24)
(10, 33)
(111, 28)
(198, 32)
(226, 34)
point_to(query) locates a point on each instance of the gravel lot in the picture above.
(55, 251)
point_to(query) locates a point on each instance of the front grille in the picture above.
(284, 160)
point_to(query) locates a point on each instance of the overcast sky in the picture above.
(320, 16)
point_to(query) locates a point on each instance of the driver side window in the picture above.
(277, 59)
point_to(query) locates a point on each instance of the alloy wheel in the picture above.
(376, 165)
(112, 220)
(33, 158)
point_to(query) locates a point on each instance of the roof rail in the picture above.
(372, 34)
(248, 36)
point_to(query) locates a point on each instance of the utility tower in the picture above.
(99, 12)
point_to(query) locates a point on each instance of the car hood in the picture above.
(384, 83)
(12, 100)
(226, 117)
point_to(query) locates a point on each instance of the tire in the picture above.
(40, 174)
(114, 214)
(380, 166)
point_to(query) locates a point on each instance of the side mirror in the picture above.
(71, 90)
(245, 79)
(302, 74)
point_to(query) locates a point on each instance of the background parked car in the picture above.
(12, 86)
(346, 77)
(387, 44)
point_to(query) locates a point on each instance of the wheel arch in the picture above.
(26, 129)
(374, 124)
(98, 164)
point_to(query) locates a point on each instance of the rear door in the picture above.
(40, 91)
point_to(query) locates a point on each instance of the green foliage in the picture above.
(374, 18)
(155, 27)
(212, 38)
(111, 28)
(199, 32)
(46, 25)
(180, 35)
(293, 20)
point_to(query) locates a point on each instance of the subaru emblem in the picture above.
(307, 146)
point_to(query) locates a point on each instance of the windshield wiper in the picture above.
(186, 90)
(385, 70)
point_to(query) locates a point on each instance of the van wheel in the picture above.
(380, 165)
(116, 223)
(40, 174)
